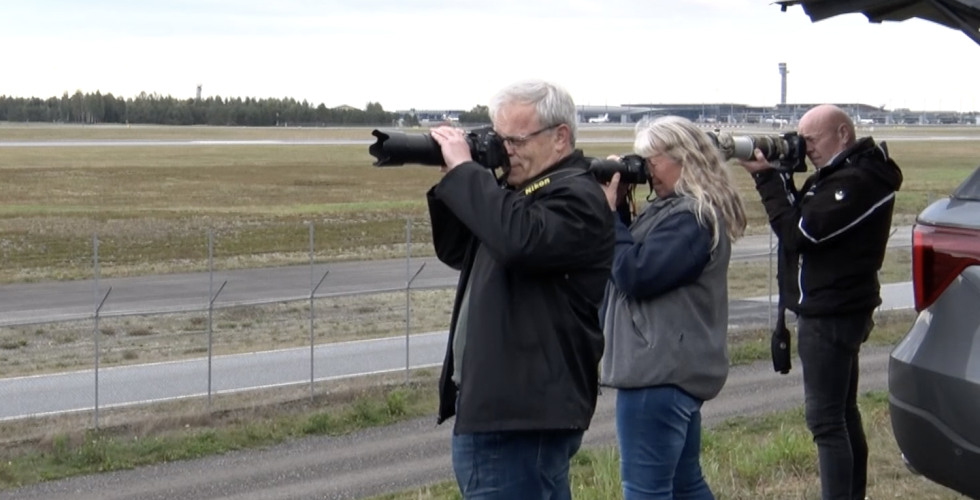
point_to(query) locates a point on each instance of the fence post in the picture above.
(95, 333)
(210, 335)
(313, 289)
(408, 281)
(211, 298)
(409, 278)
(210, 294)
(98, 308)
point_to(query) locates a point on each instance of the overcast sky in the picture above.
(455, 53)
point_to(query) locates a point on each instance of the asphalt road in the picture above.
(139, 384)
(29, 303)
(380, 460)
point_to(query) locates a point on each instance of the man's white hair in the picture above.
(554, 105)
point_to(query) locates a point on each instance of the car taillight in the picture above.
(939, 255)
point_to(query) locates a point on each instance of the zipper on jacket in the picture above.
(799, 279)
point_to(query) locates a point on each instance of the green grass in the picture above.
(43, 454)
(771, 457)
(71, 454)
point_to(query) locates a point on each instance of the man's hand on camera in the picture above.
(757, 165)
(455, 149)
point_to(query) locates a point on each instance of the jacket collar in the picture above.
(844, 157)
(568, 161)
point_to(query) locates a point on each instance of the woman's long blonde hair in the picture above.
(704, 175)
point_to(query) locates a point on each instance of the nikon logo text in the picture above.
(537, 185)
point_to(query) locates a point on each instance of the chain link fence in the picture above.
(137, 340)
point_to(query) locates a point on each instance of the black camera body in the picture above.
(632, 169)
(394, 149)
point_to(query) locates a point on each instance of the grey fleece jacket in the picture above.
(673, 334)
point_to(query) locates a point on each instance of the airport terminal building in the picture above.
(733, 114)
(785, 114)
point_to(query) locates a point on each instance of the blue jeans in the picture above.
(515, 465)
(659, 431)
(829, 348)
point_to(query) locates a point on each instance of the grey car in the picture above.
(934, 373)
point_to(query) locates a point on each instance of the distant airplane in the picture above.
(776, 121)
(600, 119)
(865, 121)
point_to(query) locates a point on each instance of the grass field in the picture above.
(152, 207)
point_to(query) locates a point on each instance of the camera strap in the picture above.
(549, 179)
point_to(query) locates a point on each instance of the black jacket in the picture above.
(833, 232)
(539, 257)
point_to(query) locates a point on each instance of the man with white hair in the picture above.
(534, 250)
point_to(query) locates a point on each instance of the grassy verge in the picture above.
(133, 438)
(765, 458)
(153, 207)
(51, 448)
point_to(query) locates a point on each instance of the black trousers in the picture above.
(829, 347)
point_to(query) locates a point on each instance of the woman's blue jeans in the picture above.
(659, 432)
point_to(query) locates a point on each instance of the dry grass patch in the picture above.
(58, 347)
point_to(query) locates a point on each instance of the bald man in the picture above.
(832, 233)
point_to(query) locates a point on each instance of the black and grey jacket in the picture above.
(833, 231)
(537, 259)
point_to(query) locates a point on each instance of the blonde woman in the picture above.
(665, 312)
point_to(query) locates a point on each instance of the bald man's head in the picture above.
(827, 131)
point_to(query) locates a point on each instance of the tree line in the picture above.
(156, 109)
